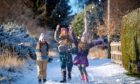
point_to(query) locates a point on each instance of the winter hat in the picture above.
(42, 37)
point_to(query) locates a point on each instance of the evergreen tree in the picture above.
(50, 6)
(43, 10)
(61, 12)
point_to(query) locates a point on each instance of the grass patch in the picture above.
(8, 60)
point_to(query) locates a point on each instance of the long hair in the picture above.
(82, 45)
(65, 40)
(39, 45)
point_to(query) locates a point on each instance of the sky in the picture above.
(75, 5)
(78, 4)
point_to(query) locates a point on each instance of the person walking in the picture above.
(42, 49)
(62, 36)
(81, 60)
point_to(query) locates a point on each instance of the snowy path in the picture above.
(100, 71)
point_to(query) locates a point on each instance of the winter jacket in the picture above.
(42, 51)
(81, 54)
(62, 47)
(64, 52)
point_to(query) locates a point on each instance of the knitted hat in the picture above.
(42, 37)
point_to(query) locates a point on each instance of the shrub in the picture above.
(130, 40)
(10, 60)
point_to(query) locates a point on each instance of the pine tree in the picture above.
(61, 12)
(50, 6)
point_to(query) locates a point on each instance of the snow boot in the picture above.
(69, 75)
(64, 77)
(44, 80)
(39, 80)
(85, 78)
(82, 77)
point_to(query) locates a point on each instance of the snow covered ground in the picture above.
(100, 71)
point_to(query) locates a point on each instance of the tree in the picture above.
(92, 20)
(78, 24)
(118, 9)
(52, 12)
(61, 12)
(38, 6)
(51, 5)
(43, 11)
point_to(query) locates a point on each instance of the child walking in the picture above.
(81, 60)
(63, 38)
(42, 57)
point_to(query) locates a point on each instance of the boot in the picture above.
(69, 75)
(39, 80)
(64, 77)
(44, 80)
(82, 77)
(85, 78)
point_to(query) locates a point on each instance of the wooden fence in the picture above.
(116, 54)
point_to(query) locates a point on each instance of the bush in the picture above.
(10, 60)
(16, 39)
(130, 40)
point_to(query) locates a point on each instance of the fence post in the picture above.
(116, 54)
